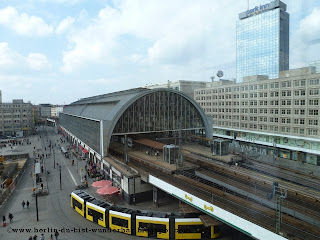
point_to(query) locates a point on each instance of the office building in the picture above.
(56, 110)
(263, 41)
(184, 86)
(16, 118)
(45, 110)
(282, 111)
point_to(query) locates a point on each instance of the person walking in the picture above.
(51, 237)
(56, 234)
(28, 204)
(3, 218)
(23, 203)
(10, 217)
(30, 238)
(42, 236)
(35, 237)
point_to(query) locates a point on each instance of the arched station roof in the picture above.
(112, 107)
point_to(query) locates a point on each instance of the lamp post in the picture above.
(54, 159)
(60, 177)
(37, 206)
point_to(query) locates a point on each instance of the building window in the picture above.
(314, 102)
(313, 132)
(313, 122)
(314, 91)
(314, 82)
(313, 112)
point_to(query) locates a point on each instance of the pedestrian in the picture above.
(35, 237)
(23, 203)
(42, 236)
(56, 234)
(28, 204)
(3, 218)
(51, 237)
(10, 217)
(30, 238)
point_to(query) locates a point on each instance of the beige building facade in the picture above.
(16, 118)
(282, 112)
(184, 86)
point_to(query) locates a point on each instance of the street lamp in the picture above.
(60, 177)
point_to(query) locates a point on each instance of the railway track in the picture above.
(300, 192)
(232, 202)
(285, 174)
(301, 210)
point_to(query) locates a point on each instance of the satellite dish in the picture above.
(219, 73)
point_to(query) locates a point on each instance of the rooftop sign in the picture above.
(262, 8)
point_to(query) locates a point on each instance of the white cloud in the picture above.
(305, 45)
(37, 61)
(71, 2)
(310, 27)
(10, 59)
(195, 32)
(23, 24)
(65, 25)
(103, 81)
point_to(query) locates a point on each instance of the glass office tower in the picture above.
(263, 41)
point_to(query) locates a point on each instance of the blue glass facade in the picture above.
(263, 44)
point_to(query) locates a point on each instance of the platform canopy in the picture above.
(150, 143)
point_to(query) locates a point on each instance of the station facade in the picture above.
(96, 122)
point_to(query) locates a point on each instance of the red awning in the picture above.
(107, 190)
(80, 147)
(102, 183)
(84, 150)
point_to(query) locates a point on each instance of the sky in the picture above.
(59, 51)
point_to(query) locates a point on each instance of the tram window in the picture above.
(143, 227)
(216, 230)
(95, 214)
(150, 227)
(76, 203)
(159, 228)
(190, 229)
(119, 222)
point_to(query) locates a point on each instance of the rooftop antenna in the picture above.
(212, 78)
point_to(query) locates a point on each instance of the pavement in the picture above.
(54, 211)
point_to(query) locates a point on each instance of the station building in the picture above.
(135, 116)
